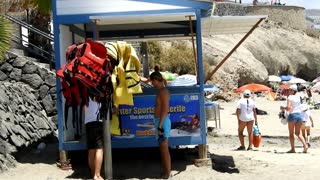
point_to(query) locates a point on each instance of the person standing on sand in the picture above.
(246, 115)
(295, 118)
(162, 122)
(94, 132)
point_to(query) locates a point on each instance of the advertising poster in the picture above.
(184, 112)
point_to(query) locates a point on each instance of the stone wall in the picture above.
(291, 16)
(229, 9)
(27, 106)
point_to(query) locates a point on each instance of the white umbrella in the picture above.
(316, 80)
(316, 87)
(184, 80)
(297, 80)
(274, 78)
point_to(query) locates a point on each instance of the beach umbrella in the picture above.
(316, 87)
(274, 78)
(297, 80)
(284, 86)
(184, 80)
(286, 78)
(253, 87)
(210, 88)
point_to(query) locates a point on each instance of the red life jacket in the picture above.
(88, 70)
(93, 68)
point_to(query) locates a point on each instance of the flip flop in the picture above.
(305, 150)
(241, 148)
(66, 165)
(291, 151)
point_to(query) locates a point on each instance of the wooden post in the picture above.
(64, 162)
(63, 156)
(203, 160)
(232, 51)
(194, 49)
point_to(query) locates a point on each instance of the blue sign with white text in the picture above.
(184, 114)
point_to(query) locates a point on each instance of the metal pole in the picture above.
(106, 106)
(144, 53)
(232, 51)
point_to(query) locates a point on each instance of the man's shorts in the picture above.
(166, 125)
(295, 117)
(94, 133)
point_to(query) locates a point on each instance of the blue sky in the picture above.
(308, 4)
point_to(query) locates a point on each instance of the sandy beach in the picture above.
(269, 161)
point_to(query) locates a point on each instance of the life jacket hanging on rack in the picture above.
(93, 68)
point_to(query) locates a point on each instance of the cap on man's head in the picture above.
(293, 87)
(156, 75)
(247, 93)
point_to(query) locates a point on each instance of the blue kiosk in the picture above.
(143, 20)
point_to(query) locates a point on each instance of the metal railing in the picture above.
(38, 50)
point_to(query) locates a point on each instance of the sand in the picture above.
(269, 161)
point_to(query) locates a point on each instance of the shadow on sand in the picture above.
(137, 163)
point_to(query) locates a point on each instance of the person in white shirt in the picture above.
(94, 132)
(295, 119)
(246, 115)
(307, 123)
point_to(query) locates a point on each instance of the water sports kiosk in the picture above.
(145, 20)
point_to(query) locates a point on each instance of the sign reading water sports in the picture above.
(184, 112)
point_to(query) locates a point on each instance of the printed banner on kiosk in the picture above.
(184, 114)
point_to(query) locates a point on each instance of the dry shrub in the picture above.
(178, 58)
(313, 33)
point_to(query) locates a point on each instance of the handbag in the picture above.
(256, 136)
(283, 115)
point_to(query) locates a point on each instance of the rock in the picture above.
(17, 140)
(16, 74)
(6, 147)
(17, 129)
(43, 91)
(34, 80)
(42, 72)
(6, 67)
(19, 62)
(50, 80)
(3, 76)
(29, 68)
(48, 105)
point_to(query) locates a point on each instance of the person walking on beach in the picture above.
(94, 132)
(294, 118)
(246, 115)
(161, 120)
(307, 124)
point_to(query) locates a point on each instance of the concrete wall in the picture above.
(291, 16)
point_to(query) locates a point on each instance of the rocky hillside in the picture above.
(273, 48)
(27, 106)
